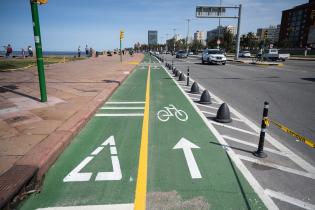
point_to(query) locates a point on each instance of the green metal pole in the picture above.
(120, 52)
(39, 53)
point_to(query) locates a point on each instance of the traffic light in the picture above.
(40, 1)
(265, 34)
(122, 34)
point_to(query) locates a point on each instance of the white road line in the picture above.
(211, 107)
(128, 206)
(234, 128)
(282, 168)
(125, 102)
(120, 115)
(253, 145)
(117, 107)
(240, 165)
(295, 158)
(205, 112)
(193, 98)
(288, 199)
(199, 95)
(97, 150)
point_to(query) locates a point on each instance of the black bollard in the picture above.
(223, 114)
(188, 76)
(181, 77)
(194, 88)
(260, 151)
(205, 98)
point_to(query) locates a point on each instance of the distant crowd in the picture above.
(9, 51)
(89, 52)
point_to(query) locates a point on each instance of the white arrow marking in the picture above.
(113, 175)
(76, 176)
(110, 141)
(191, 162)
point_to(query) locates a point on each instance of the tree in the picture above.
(196, 45)
(227, 41)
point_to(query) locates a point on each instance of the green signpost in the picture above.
(38, 46)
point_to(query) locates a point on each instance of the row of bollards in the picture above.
(223, 114)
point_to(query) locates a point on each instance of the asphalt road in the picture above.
(290, 90)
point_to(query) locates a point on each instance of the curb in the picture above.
(39, 159)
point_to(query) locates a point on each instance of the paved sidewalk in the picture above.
(33, 134)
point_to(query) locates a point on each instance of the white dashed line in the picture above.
(288, 199)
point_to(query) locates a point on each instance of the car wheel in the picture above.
(202, 61)
(223, 63)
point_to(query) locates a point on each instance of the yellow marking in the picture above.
(303, 139)
(266, 120)
(141, 187)
(133, 62)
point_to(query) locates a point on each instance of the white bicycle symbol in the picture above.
(165, 114)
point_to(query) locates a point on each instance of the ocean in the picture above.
(48, 53)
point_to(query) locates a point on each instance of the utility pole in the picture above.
(174, 30)
(166, 41)
(187, 46)
(219, 34)
(238, 32)
(38, 46)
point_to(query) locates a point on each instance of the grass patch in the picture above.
(19, 63)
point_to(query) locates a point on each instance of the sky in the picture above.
(67, 24)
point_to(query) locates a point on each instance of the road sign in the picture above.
(216, 12)
(209, 11)
(187, 146)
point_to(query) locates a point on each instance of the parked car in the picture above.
(190, 53)
(274, 55)
(181, 54)
(213, 56)
(109, 53)
(244, 54)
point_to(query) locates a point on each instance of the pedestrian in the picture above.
(30, 51)
(9, 51)
(90, 52)
(23, 53)
(86, 50)
(79, 52)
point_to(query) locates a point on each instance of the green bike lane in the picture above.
(186, 167)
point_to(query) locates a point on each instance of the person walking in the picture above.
(86, 50)
(30, 51)
(79, 52)
(23, 53)
(9, 51)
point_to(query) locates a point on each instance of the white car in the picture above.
(245, 54)
(213, 56)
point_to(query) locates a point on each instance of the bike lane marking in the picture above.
(141, 187)
(110, 145)
(209, 179)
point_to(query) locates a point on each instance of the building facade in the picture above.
(152, 37)
(298, 26)
(271, 33)
(220, 30)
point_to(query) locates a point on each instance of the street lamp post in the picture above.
(187, 46)
(39, 53)
(174, 29)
